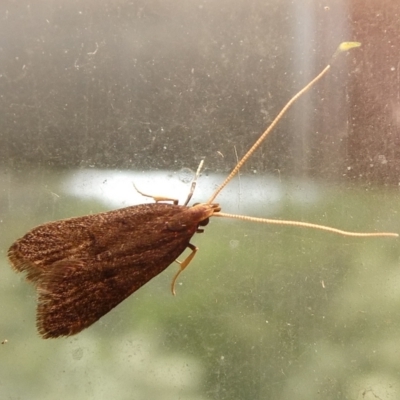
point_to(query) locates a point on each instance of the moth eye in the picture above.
(204, 222)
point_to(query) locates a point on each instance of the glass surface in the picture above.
(97, 95)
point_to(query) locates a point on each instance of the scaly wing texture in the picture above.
(83, 267)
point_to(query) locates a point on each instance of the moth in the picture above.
(83, 267)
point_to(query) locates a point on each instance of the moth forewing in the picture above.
(99, 260)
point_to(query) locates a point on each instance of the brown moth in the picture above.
(83, 267)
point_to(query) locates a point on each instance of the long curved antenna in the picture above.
(305, 225)
(345, 46)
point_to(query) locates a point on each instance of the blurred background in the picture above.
(95, 95)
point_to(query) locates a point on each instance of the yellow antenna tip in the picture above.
(346, 46)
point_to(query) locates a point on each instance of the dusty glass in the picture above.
(97, 94)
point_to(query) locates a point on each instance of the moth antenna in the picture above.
(305, 225)
(345, 46)
(194, 182)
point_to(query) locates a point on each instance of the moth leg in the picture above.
(155, 198)
(182, 265)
